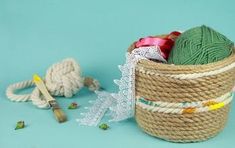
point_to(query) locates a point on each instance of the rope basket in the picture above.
(183, 103)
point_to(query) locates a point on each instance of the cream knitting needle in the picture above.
(59, 114)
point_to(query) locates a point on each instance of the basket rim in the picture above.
(151, 65)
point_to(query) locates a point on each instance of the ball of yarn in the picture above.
(200, 45)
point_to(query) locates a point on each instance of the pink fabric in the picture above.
(165, 44)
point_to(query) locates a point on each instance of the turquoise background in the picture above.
(37, 33)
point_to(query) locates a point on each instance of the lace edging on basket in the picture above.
(121, 104)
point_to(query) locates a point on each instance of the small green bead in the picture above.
(103, 126)
(20, 125)
(73, 105)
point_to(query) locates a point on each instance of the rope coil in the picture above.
(61, 79)
(185, 107)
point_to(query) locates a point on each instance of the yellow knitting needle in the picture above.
(59, 114)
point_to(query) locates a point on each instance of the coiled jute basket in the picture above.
(187, 103)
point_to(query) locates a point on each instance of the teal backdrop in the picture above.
(37, 33)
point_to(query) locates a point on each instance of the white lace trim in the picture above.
(121, 104)
(97, 111)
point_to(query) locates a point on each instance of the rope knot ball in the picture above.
(62, 79)
(200, 45)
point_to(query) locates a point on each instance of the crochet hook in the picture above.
(59, 114)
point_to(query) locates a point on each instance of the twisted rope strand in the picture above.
(179, 108)
(62, 79)
(188, 76)
(182, 104)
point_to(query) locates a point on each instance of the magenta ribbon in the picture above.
(165, 44)
(150, 41)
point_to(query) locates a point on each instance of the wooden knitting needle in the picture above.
(59, 114)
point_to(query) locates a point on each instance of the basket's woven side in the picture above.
(167, 89)
(182, 128)
(178, 84)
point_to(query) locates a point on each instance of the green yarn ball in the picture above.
(200, 45)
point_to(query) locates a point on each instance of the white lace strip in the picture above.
(122, 103)
(97, 111)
